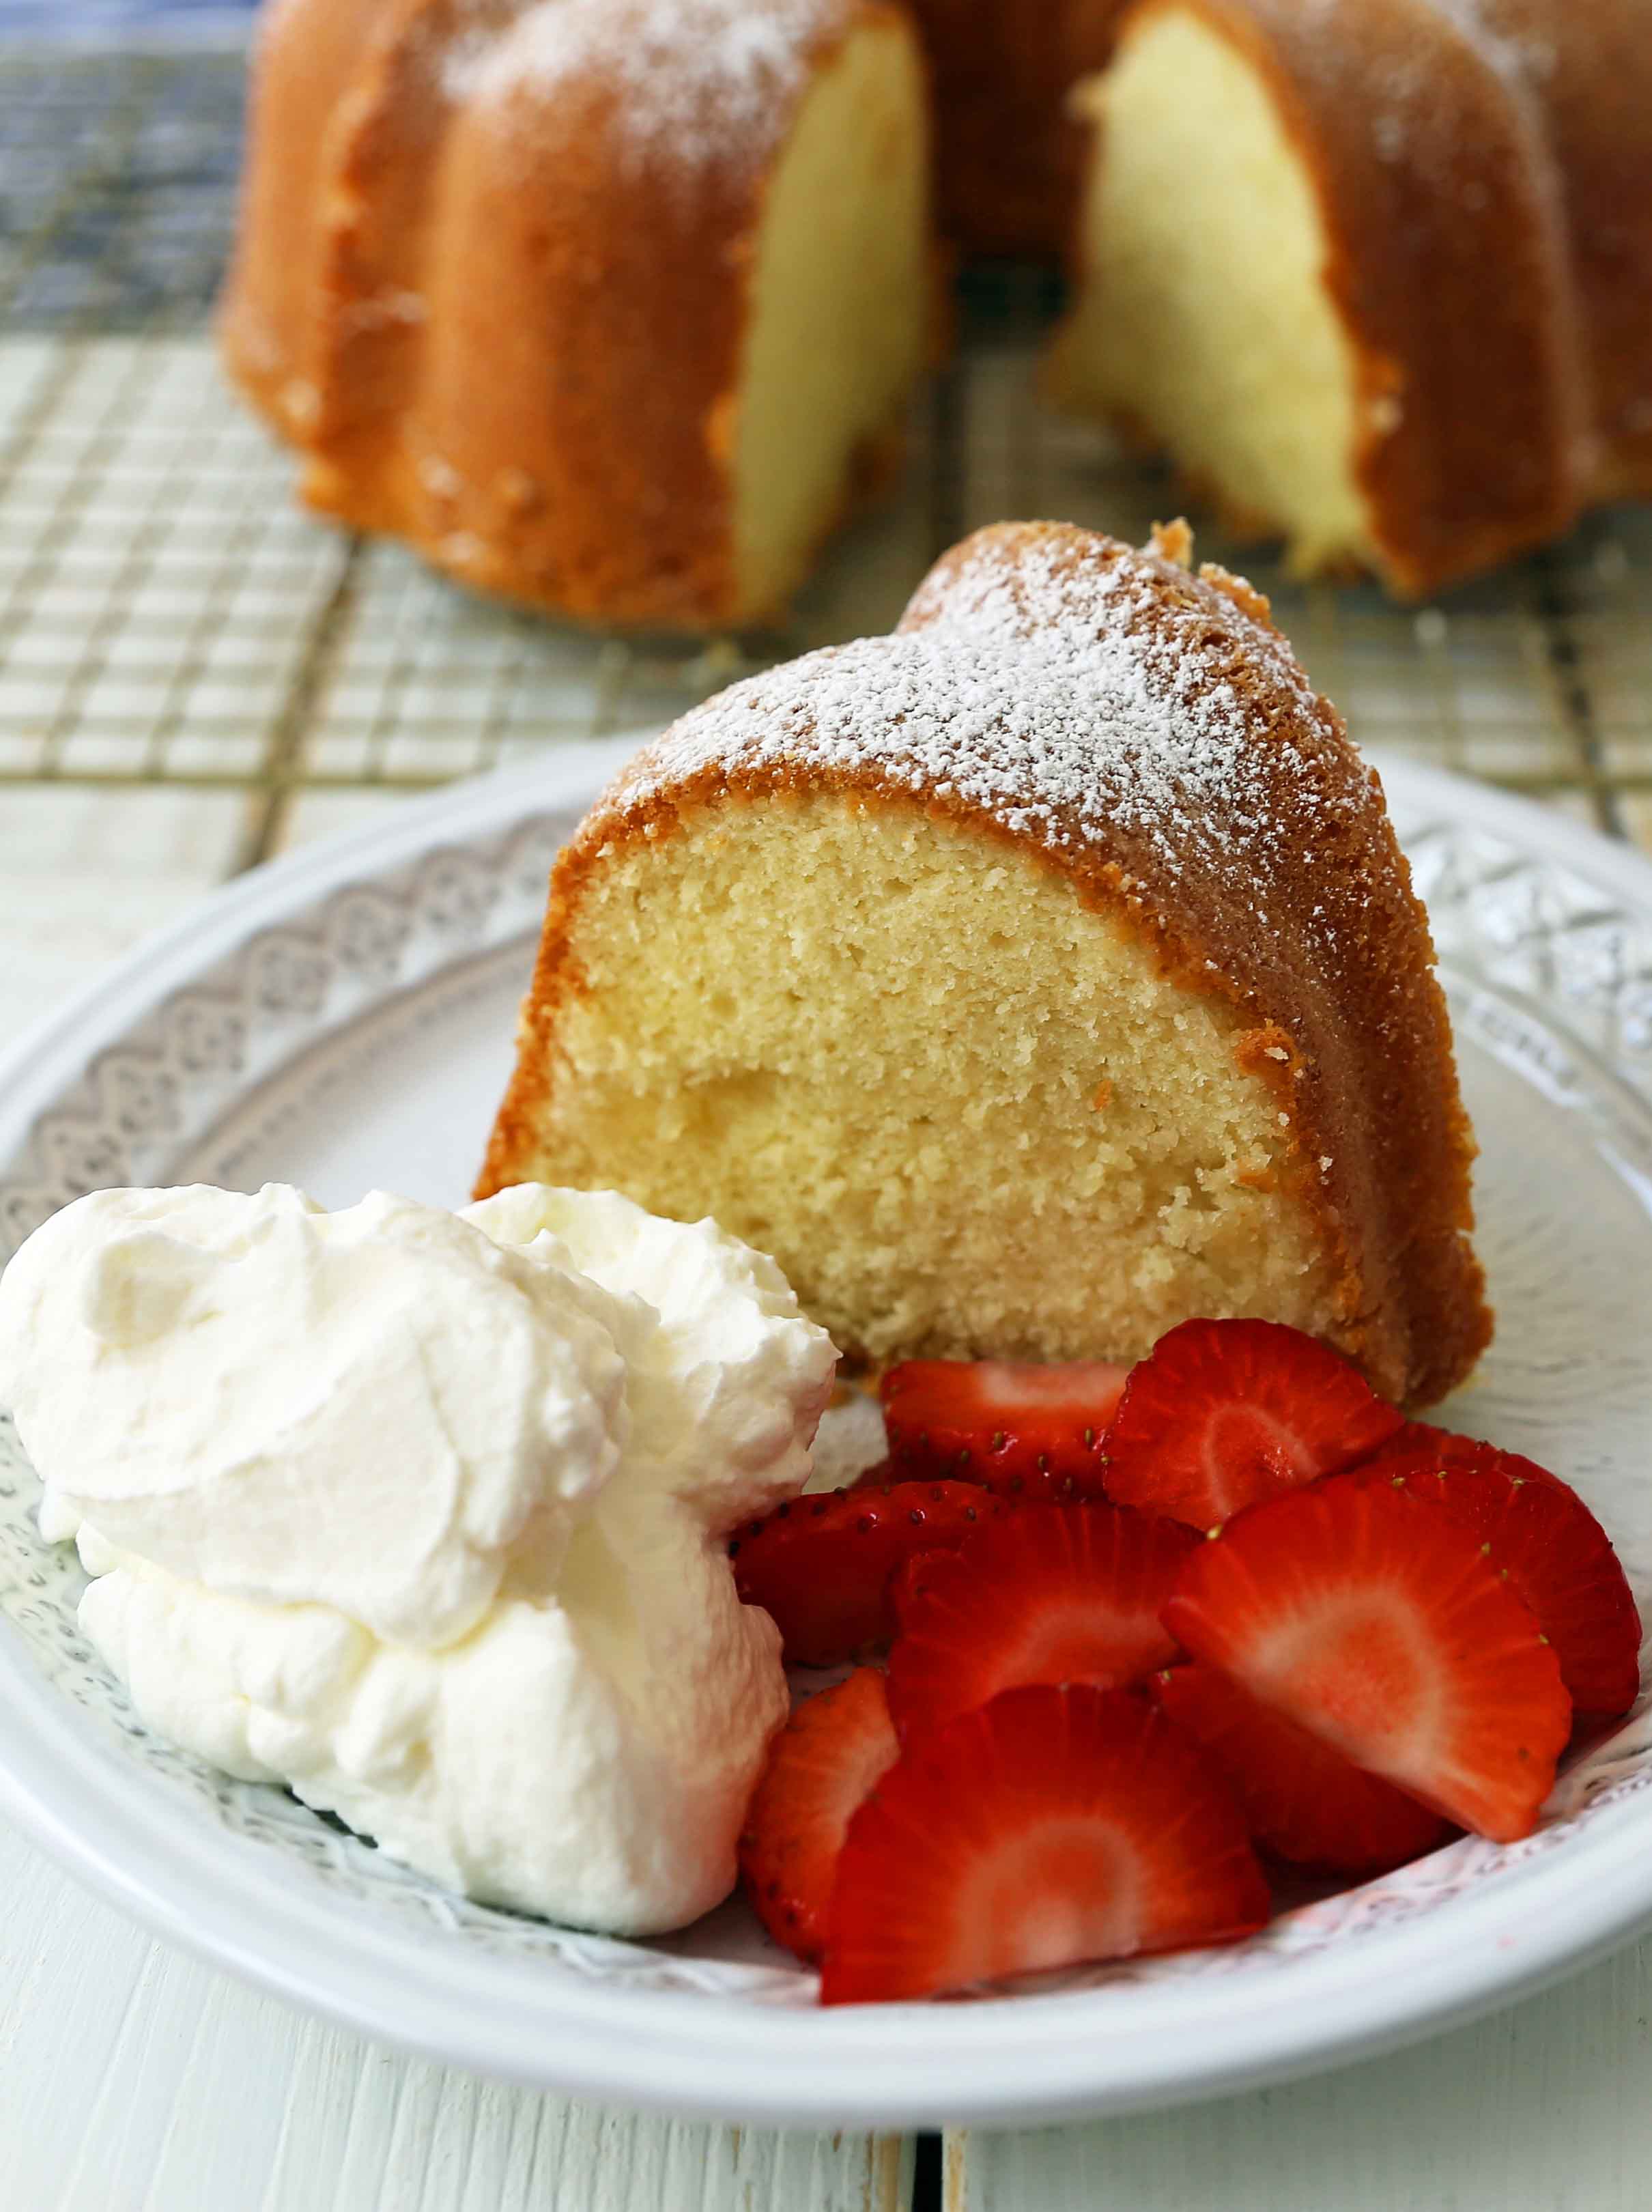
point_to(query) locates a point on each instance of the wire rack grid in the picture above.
(167, 616)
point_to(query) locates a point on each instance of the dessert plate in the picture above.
(343, 1019)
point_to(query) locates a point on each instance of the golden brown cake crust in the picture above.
(1588, 69)
(1148, 734)
(512, 336)
(1009, 156)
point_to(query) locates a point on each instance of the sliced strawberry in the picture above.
(1420, 1436)
(883, 1476)
(1555, 1553)
(1021, 1430)
(821, 1766)
(1302, 1800)
(822, 1565)
(1066, 1594)
(1378, 1624)
(1052, 1826)
(1445, 1447)
(1221, 1414)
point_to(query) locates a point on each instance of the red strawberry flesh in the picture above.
(821, 1767)
(1050, 1827)
(1063, 1594)
(1539, 1532)
(1412, 1436)
(1302, 1800)
(1222, 1414)
(822, 1566)
(1445, 1447)
(1021, 1430)
(1381, 1627)
(882, 1475)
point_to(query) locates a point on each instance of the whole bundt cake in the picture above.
(1026, 981)
(1376, 274)
(613, 307)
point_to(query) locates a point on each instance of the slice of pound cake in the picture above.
(1025, 982)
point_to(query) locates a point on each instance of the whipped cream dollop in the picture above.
(421, 1514)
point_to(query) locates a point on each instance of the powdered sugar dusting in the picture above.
(696, 79)
(1410, 100)
(1518, 56)
(1067, 698)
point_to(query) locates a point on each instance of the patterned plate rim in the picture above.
(1029, 2059)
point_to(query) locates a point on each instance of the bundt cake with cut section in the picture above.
(1375, 274)
(1025, 982)
(613, 307)
(607, 306)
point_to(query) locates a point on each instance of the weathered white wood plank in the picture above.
(87, 871)
(1545, 2108)
(134, 2080)
(312, 814)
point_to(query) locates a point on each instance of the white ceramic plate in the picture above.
(343, 1020)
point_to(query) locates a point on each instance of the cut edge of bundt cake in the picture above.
(1323, 262)
(842, 253)
(1025, 982)
(1202, 320)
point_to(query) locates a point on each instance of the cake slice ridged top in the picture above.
(1149, 735)
(1094, 699)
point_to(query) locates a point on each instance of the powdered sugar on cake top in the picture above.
(699, 79)
(1409, 95)
(1064, 698)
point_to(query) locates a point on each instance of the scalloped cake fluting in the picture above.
(1026, 981)
(610, 306)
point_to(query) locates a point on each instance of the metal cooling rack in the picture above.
(167, 615)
